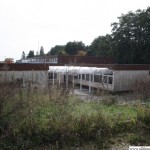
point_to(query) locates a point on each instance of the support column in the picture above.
(32, 75)
(67, 80)
(93, 77)
(73, 81)
(90, 83)
(23, 79)
(53, 77)
(59, 78)
(80, 82)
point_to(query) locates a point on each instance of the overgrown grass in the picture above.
(32, 118)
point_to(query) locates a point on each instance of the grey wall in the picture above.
(125, 80)
(39, 77)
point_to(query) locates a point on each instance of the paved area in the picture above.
(121, 98)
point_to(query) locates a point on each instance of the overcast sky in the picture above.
(25, 23)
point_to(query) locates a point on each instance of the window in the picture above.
(110, 80)
(79, 76)
(98, 78)
(87, 77)
(75, 76)
(83, 77)
(105, 79)
(55, 75)
(50, 76)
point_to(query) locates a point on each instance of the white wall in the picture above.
(35, 76)
(125, 80)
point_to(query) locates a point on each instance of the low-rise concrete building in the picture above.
(27, 73)
(110, 77)
(72, 60)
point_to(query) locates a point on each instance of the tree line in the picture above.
(128, 43)
(31, 53)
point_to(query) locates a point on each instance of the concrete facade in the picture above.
(38, 77)
(116, 80)
(124, 77)
(125, 80)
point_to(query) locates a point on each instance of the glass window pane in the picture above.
(110, 80)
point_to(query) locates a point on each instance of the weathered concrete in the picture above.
(125, 80)
(38, 77)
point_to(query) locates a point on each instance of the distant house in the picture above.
(54, 59)
(39, 60)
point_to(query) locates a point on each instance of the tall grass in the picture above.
(142, 89)
(31, 118)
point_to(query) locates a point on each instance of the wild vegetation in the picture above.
(32, 118)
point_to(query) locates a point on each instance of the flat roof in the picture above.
(27, 66)
(121, 66)
(78, 70)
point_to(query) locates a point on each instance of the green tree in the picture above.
(131, 37)
(57, 50)
(101, 46)
(41, 51)
(72, 48)
(31, 54)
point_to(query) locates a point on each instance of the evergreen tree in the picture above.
(41, 51)
(31, 54)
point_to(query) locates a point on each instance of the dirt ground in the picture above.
(121, 98)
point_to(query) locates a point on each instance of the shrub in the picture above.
(143, 117)
(142, 89)
(30, 117)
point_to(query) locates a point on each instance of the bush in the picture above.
(142, 89)
(32, 117)
(143, 117)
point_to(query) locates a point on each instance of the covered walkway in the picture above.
(76, 74)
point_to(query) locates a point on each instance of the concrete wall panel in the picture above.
(125, 80)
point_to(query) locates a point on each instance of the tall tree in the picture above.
(101, 46)
(31, 54)
(41, 51)
(23, 55)
(57, 50)
(72, 48)
(131, 37)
